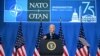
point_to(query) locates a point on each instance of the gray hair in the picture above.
(52, 25)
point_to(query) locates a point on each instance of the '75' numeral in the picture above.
(88, 7)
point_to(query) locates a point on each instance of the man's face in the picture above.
(52, 28)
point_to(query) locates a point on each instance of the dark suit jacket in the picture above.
(54, 36)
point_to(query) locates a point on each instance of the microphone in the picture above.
(51, 34)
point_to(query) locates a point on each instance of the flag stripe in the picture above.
(34, 54)
(85, 50)
(1, 51)
(19, 52)
(14, 52)
(77, 53)
(80, 52)
(1, 54)
(22, 52)
(98, 52)
(37, 53)
(65, 51)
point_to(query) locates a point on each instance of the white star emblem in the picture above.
(16, 10)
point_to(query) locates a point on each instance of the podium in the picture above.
(51, 47)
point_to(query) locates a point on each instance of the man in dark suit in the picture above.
(51, 34)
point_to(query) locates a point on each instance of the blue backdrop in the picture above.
(8, 32)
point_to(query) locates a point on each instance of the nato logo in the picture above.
(26, 11)
(15, 10)
(11, 14)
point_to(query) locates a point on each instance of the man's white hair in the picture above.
(52, 25)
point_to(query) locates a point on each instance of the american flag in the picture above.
(65, 51)
(82, 50)
(1, 49)
(40, 35)
(19, 48)
(98, 49)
